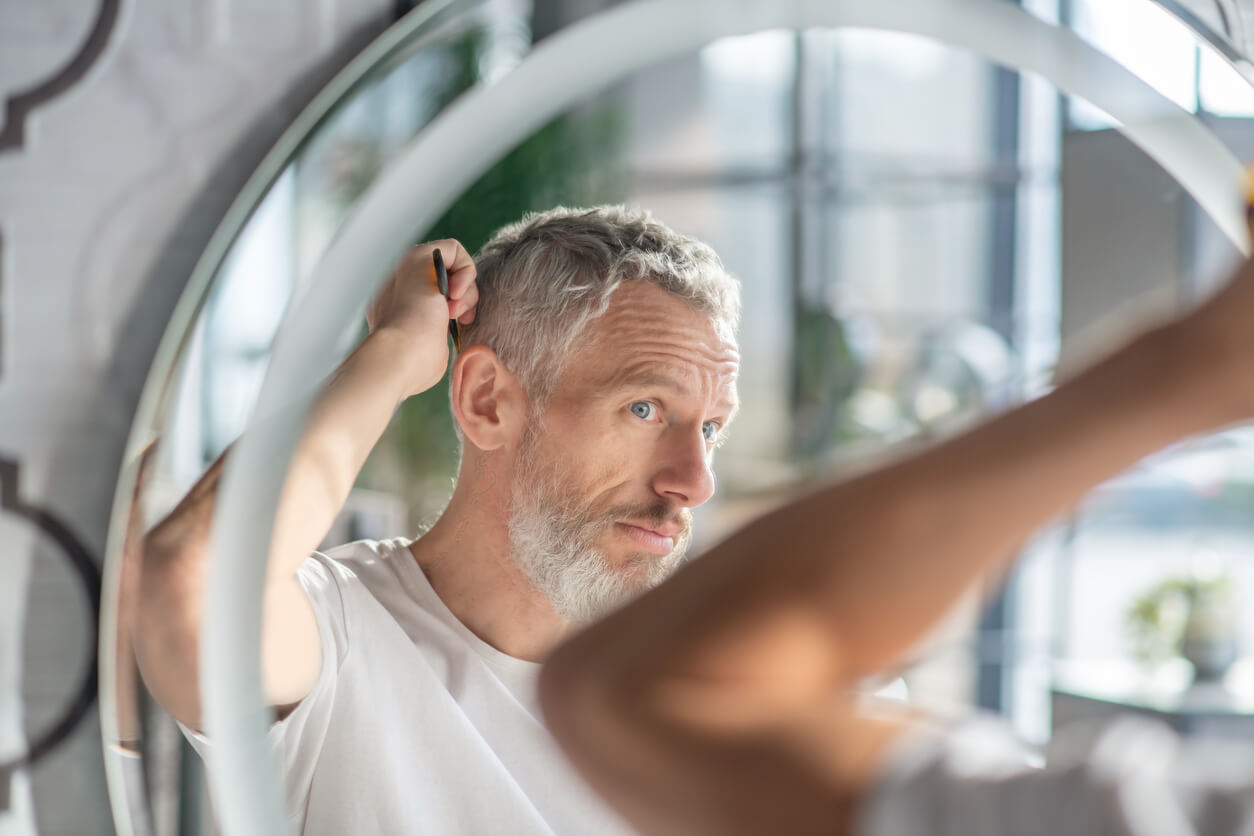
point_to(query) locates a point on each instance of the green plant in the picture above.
(1158, 620)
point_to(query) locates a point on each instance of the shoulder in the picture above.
(360, 565)
(343, 583)
(364, 554)
(356, 558)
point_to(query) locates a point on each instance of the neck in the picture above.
(468, 560)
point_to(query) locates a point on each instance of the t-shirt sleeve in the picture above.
(1130, 777)
(297, 739)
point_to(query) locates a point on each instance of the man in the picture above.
(720, 702)
(597, 375)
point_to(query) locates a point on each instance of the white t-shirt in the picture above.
(415, 725)
(1129, 777)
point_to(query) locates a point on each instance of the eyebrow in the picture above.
(653, 378)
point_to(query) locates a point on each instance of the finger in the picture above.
(455, 256)
(460, 266)
(462, 283)
(463, 309)
(466, 302)
(420, 260)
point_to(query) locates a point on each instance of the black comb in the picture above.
(441, 278)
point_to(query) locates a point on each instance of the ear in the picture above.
(488, 402)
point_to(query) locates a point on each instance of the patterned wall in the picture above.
(128, 126)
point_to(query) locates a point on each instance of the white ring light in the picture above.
(463, 142)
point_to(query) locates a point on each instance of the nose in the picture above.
(684, 475)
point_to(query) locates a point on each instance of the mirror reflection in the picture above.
(855, 241)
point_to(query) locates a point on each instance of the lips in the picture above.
(650, 539)
(667, 530)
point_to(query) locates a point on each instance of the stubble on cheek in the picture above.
(583, 513)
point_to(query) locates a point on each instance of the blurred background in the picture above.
(923, 239)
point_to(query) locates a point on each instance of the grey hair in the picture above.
(543, 279)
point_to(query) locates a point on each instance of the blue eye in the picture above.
(642, 410)
(710, 431)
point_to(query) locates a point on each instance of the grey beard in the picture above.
(553, 543)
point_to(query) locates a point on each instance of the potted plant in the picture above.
(1193, 617)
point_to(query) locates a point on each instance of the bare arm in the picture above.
(406, 353)
(715, 704)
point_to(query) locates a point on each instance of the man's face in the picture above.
(608, 472)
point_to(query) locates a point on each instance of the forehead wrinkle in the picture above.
(648, 331)
(667, 338)
(644, 306)
(646, 371)
(654, 353)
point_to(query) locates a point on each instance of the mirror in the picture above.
(900, 213)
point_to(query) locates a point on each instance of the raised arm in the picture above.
(717, 703)
(405, 353)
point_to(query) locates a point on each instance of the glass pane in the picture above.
(725, 109)
(1146, 39)
(897, 96)
(1224, 91)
